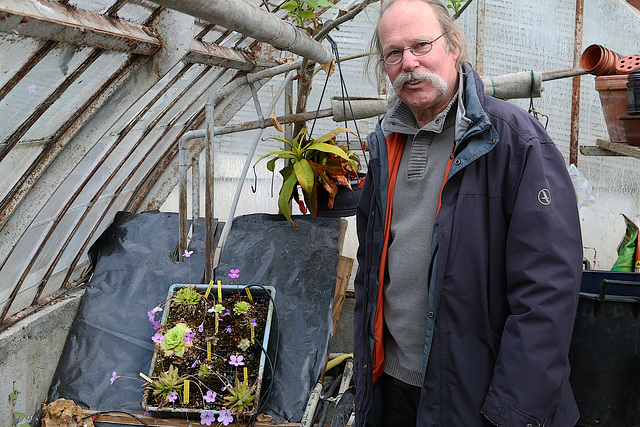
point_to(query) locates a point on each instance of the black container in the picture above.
(344, 204)
(633, 93)
(605, 350)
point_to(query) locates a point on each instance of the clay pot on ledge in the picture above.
(613, 98)
(599, 61)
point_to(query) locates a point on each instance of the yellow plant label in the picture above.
(208, 350)
(253, 334)
(246, 375)
(146, 378)
(219, 291)
(206, 294)
(249, 294)
(185, 390)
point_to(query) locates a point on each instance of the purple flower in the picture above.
(234, 273)
(206, 418)
(151, 315)
(187, 253)
(200, 328)
(32, 88)
(113, 377)
(188, 337)
(225, 417)
(253, 322)
(211, 310)
(210, 397)
(157, 338)
(172, 396)
(227, 312)
(229, 328)
(195, 362)
(236, 360)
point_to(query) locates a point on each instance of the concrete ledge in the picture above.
(29, 353)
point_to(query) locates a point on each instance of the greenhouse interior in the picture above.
(137, 172)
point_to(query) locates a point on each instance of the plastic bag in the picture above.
(627, 248)
(585, 196)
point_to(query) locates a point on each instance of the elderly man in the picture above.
(470, 247)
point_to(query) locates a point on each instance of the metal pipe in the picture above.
(212, 100)
(247, 163)
(251, 21)
(183, 166)
(575, 92)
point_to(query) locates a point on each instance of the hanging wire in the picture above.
(345, 97)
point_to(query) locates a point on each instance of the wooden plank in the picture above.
(619, 147)
(345, 266)
(120, 418)
(592, 150)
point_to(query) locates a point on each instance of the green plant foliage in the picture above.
(304, 11)
(174, 342)
(188, 295)
(204, 369)
(241, 398)
(320, 161)
(241, 307)
(244, 344)
(456, 5)
(17, 416)
(167, 382)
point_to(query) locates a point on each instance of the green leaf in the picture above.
(307, 14)
(20, 414)
(304, 174)
(328, 148)
(332, 134)
(13, 396)
(285, 194)
(24, 425)
(290, 5)
(325, 3)
(313, 4)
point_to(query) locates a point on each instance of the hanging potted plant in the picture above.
(316, 165)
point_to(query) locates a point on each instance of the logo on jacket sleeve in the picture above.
(544, 196)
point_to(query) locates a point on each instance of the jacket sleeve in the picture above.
(543, 271)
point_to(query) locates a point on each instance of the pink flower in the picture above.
(210, 397)
(113, 377)
(234, 273)
(188, 337)
(158, 338)
(172, 396)
(225, 417)
(187, 253)
(236, 360)
(206, 418)
(200, 328)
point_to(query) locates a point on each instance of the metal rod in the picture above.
(250, 155)
(251, 21)
(183, 166)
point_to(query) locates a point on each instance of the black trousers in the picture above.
(397, 405)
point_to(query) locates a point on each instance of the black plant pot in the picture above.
(344, 204)
(633, 93)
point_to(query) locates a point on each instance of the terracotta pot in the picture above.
(628, 64)
(599, 60)
(613, 98)
(631, 128)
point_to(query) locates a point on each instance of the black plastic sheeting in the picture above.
(302, 265)
(133, 269)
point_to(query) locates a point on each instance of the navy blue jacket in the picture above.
(505, 279)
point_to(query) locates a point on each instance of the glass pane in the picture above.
(14, 53)
(136, 13)
(99, 6)
(76, 95)
(37, 85)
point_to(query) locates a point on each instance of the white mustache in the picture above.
(420, 75)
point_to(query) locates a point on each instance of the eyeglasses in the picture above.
(419, 48)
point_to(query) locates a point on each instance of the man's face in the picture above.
(402, 24)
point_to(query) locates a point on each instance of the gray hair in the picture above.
(453, 34)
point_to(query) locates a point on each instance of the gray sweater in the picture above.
(415, 201)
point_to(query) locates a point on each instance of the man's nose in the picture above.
(409, 61)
